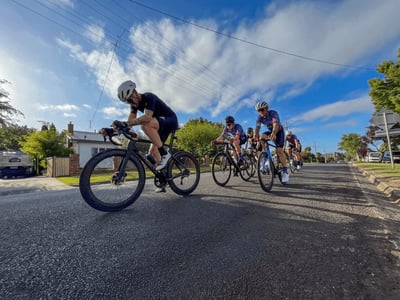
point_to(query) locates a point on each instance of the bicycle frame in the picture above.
(132, 149)
(227, 148)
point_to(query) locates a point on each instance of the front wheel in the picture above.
(112, 180)
(246, 167)
(291, 163)
(265, 169)
(221, 168)
(183, 173)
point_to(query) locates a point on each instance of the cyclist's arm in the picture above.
(257, 133)
(275, 128)
(145, 118)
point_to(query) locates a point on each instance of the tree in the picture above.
(196, 137)
(385, 93)
(6, 109)
(307, 155)
(352, 144)
(40, 145)
(12, 135)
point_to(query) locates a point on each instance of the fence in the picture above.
(63, 166)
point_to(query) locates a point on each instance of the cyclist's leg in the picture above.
(279, 143)
(151, 130)
(236, 146)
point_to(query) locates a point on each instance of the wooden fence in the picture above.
(57, 166)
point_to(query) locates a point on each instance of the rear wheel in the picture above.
(265, 170)
(183, 173)
(221, 169)
(111, 181)
(246, 167)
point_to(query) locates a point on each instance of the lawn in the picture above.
(383, 171)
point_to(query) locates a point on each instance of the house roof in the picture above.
(86, 136)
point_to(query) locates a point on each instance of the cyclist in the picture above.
(275, 132)
(293, 147)
(157, 121)
(251, 143)
(239, 137)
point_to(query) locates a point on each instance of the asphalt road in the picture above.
(328, 234)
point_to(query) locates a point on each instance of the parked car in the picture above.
(15, 163)
(374, 157)
(386, 157)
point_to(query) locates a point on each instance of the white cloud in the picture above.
(69, 115)
(62, 107)
(113, 112)
(342, 124)
(336, 109)
(197, 70)
(94, 33)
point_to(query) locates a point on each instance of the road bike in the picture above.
(293, 162)
(253, 155)
(223, 164)
(115, 178)
(291, 159)
(268, 167)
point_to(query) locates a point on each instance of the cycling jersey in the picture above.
(292, 142)
(269, 120)
(236, 129)
(166, 117)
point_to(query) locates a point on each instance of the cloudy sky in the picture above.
(310, 60)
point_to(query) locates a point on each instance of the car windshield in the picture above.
(375, 154)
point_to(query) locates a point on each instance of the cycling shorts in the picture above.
(166, 126)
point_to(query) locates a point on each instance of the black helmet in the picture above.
(229, 119)
(250, 130)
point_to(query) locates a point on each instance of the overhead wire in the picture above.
(249, 42)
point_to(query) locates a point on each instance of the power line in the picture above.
(249, 42)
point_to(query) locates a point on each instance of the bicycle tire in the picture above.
(221, 169)
(183, 180)
(291, 163)
(246, 168)
(97, 183)
(253, 159)
(265, 172)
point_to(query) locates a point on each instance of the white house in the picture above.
(86, 144)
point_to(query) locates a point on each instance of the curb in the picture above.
(390, 192)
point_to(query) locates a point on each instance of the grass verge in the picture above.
(385, 172)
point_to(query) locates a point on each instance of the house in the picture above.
(86, 144)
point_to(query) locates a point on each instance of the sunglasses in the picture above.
(229, 124)
(261, 109)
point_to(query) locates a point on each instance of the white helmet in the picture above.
(261, 105)
(288, 132)
(125, 90)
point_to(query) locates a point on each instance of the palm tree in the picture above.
(6, 109)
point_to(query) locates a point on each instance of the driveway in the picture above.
(30, 184)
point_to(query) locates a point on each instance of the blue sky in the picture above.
(310, 60)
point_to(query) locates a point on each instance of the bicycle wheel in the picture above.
(99, 184)
(253, 160)
(246, 167)
(291, 163)
(183, 173)
(221, 169)
(265, 169)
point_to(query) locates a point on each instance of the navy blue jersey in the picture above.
(236, 129)
(272, 117)
(155, 104)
